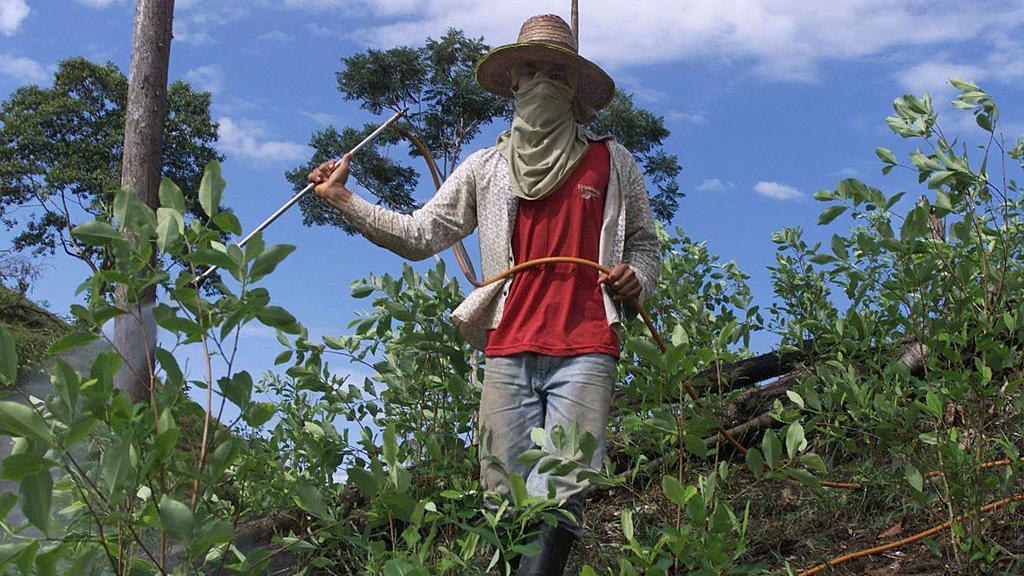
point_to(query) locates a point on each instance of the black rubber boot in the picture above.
(555, 544)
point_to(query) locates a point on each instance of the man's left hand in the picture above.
(622, 282)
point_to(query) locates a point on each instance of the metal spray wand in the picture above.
(298, 195)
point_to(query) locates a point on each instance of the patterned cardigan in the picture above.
(478, 194)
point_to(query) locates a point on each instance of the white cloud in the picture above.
(254, 330)
(245, 138)
(932, 76)
(187, 32)
(275, 36)
(635, 86)
(714, 185)
(97, 3)
(781, 39)
(23, 69)
(777, 191)
(323, 118)
(196, 21)
(209, 78)
(231, 105)
(682, 117)
(12, 12)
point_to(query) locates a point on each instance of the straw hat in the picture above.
(545, 38)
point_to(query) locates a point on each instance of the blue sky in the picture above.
(767, 101)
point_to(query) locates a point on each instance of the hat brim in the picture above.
(596, 87)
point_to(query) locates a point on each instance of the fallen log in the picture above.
(910, 354)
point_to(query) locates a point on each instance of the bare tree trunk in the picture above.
(576, 22)
(135, 333)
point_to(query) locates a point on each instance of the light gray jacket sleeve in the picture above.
(640, 251)
(446, 218)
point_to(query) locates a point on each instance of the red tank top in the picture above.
(558, 309)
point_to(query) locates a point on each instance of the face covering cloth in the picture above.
(545, 143)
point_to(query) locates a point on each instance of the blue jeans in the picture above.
(531, 390)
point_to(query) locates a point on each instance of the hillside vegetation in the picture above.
(892, 405)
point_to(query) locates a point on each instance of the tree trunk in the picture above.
(135, 333)
(576, 22)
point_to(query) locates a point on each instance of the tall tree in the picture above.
(60, 153)
(135, 333)
(447, 110)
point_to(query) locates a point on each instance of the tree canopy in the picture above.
(447, 109)
(60, 152)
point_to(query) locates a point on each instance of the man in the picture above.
(551, 334)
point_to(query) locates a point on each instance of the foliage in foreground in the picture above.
(380, 476)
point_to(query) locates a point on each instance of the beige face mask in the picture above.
(545, 143)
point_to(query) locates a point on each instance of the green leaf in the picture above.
(853, 189)
(20, 420)
(915, 224)
(755, 461)
(211, 189)
(15, 551)
(390, 447)
(275, 316)
(227, 222)
(804, 477)
(519, 494)
(530, 457)
(8, 500)
(360, 290)
(647, 351)
(96, 233)
(282, 357)
(311, 500)
(223, 456)
(259, 413)
(36, 496)
(795, 441)
(839, 246)
(18, 466)
(695, 444)
(238, 388)
(176, 519)
(116, 465)
(885, 155)
(627, 524)
(814, 462)
(170, 226)
(8, 358)
(795, 398)
(79, 430)
(172, 371)
(984, 121)
(72, 341)
(914, 477)
(211, 257)
(171, 196)
(539, 436)
(167, 434)
(943, 200)
(771, 447)
(830, 214)
(675, 491)
(366, 482)
(268, 260)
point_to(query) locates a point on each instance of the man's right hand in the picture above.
(330, 178)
